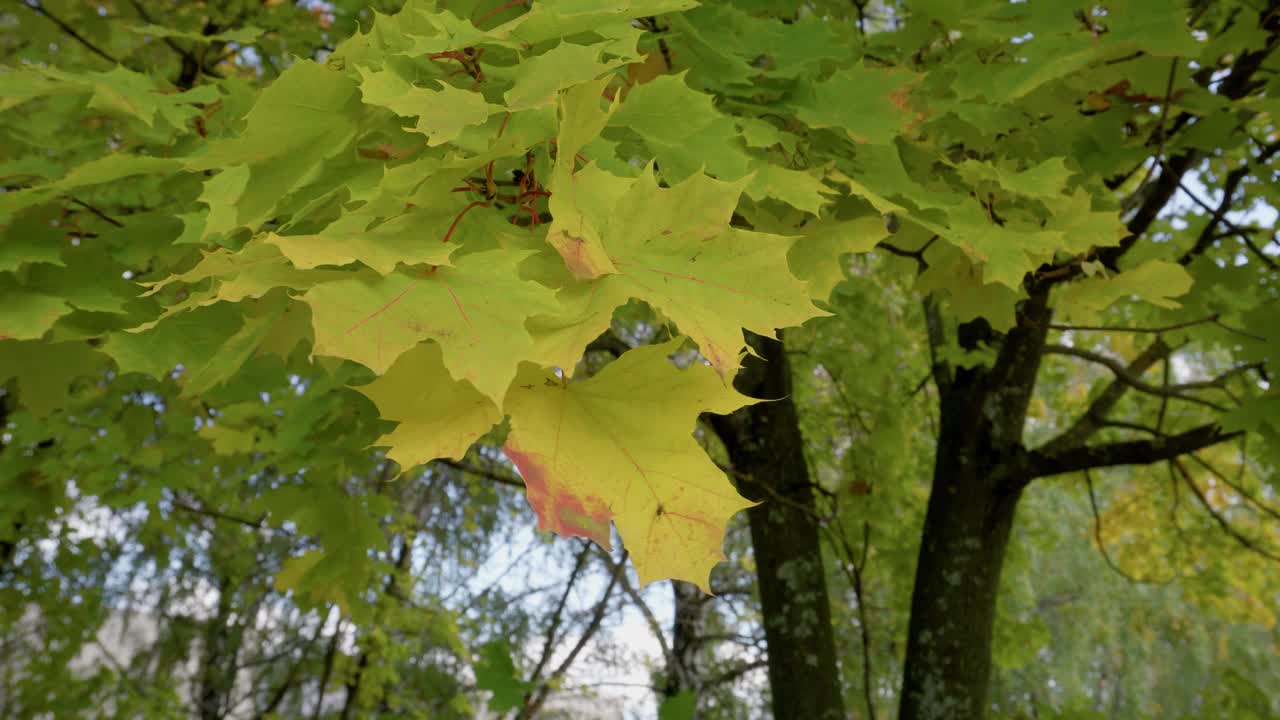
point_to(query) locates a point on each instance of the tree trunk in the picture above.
(686, 626)
(979, 472)
(767, 452)
(953, 603)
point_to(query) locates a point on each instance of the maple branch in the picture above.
(1129, 452)
(38, 7)
(482, 472)
(1214, 319)
(259, 524)
(1159, 131)
(1218, 215)
(1123, 374)
(1261, 506)
(557, 615)
(103, 216)
(1102, 547)
(1155, 197)
(937, 340)
(650, 619)
(917, 255)
(733, 674)
(1226, 526)
(533, 705)
(1094, 418)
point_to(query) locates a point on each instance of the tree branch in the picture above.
(1102, 547)
(534, 704)
(1218, 215)
(1214, 319)
(1123, 374)
(937, 339)
(557, 615)
(1244, 541)
(1094, 418)
(481, 472)
(38, 7)
(1130, 452)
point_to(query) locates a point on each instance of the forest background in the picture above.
(851, 359)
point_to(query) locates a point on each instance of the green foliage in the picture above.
(241, 243)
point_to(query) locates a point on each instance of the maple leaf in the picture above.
(442, 113)
(673, 248)
(619, 447)
(439, 417)
(475, 309)
(873, 105)
(412, 238)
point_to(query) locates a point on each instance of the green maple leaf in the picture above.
(564, 18)
(251, 273)
(106, 169)
(210, 343)
(45, 371)
(1155, 281)
(442, 114)
(412, 238)
(814, 258)
(541, 77)
(496, 673)
(871, 104)
(575, 205)
(475, 309)
(684, 142)
(591, 452)
(26, 314)
(305, 117)
(439, 417)
(32, 236)
(799, 189)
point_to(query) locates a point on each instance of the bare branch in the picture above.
(38, 7)
(1124, 375)
(557, 616)
(1248, 496)
(1235, 534)
(1102, 547)
(650, 619)
(105, 217)
(1214, 319)
(1218, 215)
(1130, 452)
(534, 704)
(1095, 416)
(485, 473)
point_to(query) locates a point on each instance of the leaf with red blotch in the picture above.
(619, 447)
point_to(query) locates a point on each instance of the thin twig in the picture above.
(1226, 526)
(1214, 319)
(38, 7)
(105, 217)
(1102, 547)
(1123, 373)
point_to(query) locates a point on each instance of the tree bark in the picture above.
(953, 602)
(767, 452)
(980, 470)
